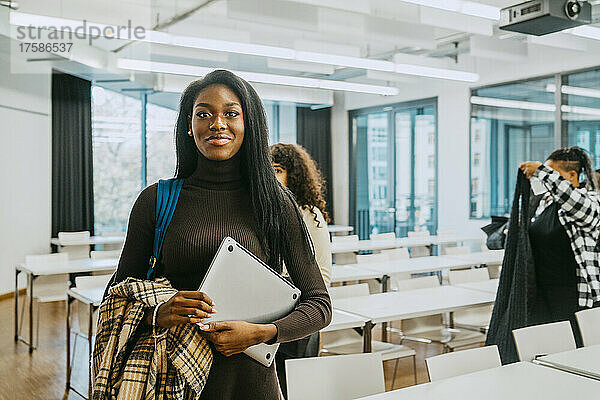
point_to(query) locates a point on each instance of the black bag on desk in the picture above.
(496, 237)
(516, 289)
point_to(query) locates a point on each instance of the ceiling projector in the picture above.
(541, 17)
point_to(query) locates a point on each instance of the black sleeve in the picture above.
(139, 240)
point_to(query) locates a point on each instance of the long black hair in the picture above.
(576, 159)
(270, 202)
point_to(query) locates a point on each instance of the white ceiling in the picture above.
(390, 30)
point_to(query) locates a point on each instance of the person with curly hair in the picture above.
(296, 170)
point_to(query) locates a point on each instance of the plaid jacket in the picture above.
(579, 213)
(129, 363)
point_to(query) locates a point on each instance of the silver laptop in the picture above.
(244, 288)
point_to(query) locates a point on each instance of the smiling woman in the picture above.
(229, 189)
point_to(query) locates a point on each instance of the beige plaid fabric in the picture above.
(129, 363)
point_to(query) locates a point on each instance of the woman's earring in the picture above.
(190, 133)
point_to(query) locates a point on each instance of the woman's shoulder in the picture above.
(146, 199)
(309, 213)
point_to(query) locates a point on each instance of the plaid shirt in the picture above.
(129, 363)
(579, 213)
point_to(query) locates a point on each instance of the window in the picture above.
(510, 123)
(160, 142)
(117, 153)
(393, 187)
(581, 111)
(121, 143)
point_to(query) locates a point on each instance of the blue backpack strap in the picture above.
(167, 195)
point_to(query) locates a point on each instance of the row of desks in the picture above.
(518, 381)
(355, 272)
(364, 245)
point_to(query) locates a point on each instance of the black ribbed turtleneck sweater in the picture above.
(213, 204)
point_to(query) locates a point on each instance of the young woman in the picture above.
(229, 189)
(564, 234)
(296, 170)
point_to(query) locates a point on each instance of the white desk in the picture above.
(395, 306)
(584, 361)
(339, 229)
(352, 272)
(519, 381)
(34, 271)
(492, 257)
(90, 298)
(489, 286)
(345, 320)
(91, 240)
(415, 265)
(399, 242)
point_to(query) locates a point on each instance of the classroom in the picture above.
(300, 199)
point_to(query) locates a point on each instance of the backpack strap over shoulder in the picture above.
(167, 195)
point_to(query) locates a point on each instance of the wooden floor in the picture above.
(41, 375)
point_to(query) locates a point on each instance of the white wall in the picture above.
(25, 169)
(453, 127)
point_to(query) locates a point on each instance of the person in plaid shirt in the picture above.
(564, 235)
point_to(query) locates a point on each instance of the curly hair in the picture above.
(303, 177)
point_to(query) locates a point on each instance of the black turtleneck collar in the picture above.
(217, 175)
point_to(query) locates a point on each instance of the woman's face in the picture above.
(280, 173)
(217, 123)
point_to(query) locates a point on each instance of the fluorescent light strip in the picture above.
(580, 110)
(575, 91)
(523, 105)
(263, 51)
(191, 70)
(463, 7)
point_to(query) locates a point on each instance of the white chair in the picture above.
(419, 251)
(589, 325)
(345, 258)
(348, 341)
(462, 362)
(446, 232)
(540, 340)
(46, 289)
(400, 253)
(431, 329)
(475, 318)
(84, 283)
(76, 252)
(383, 236)
(344, 239)
(371, 258)
(457, 250)
(335, 378)
(96, 255)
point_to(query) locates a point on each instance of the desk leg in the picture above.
(385, 287)
(90, 333)
(16, 296)
(451, 319)
(30, 279)
(367, 336)
(69, 302)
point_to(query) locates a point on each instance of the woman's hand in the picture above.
(185, 307)
(529, 168)
(233, 337)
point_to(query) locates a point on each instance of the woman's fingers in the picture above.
(194, 294)
(190, 311)
(192, 303)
